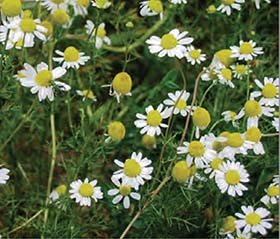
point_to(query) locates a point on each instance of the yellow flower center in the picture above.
(60, 16)
(240, 69)
(83, 3)
(168, 41)
(195, 54)
(253, 134)
(71, 54)
(216, 162)
(224, 56)
(116, 130)
(181, 172)
(229, 224)
(232, 177)
(101, 3)
(226, 73)
(273, 191)
(196, 149)
(44, 78)
(211, 9)
(19, 43)
(201, 118)
(122, 83)
(86, 190)
(246, 48)
(154, 118)
(88, 93)
(27, 14)
(57, 1)
(253, 218)
(232, 115)
(269, 90)
(148, 141)
(11, 8)
(101, 32)
(234, 140)
(181, 104)
(61, 190)
(27, 25)
(156, 6)
(227, 2)
(252, 108)
(49, 28)
(125, 190)
(132, 168)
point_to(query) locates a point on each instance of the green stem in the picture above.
(215, 124)
(206, 92)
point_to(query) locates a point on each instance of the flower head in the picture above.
(227, 5)
(246, 50)
(151, 8)
(102, 4)
(194, 55)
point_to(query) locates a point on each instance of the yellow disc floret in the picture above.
(125, 190)
(101, 32)
(234, 140)
(195, 54)
(229, 224)
(149, 141)
(11, 8)
(49, 27)
(154, 118)
(253, 134)
(44, 78)
(201, 118)
(156, 6)
(59, 16)
(101, 3)
(252, 108)
(83, 3)
(181, 172)
(273, 191)
(224, 56)
(196, 149)
(253, 218)
(181, 104)
(227, 2)
(269, 90)
(241, 69)
(86, 190)
(27, 25)
(216, 162)
(71, 54)
(211, 9)
(168, 41)
(61, 189)
(232, 177)
(122, 83)
(246, 48)
(132, 168)
(89, 94)
(227, 74)
(116, 130)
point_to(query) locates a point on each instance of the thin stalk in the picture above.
(206, 92)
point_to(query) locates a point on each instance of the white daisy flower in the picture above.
(228, 226)
(214, 166)
(221, 59)
(152, 122)
(123, 192)
(217, 143)
(178, 1)
(83, 192)
(197, 152)
(42, 80)
(253, 110)
(86, 94)
(102, 4)
(257, 3)
(254, 220)
(269, 92)
(100, 36)
(231, 116)
(272, 195)
(151, 8)
(254, 135)
(200, 118)
(276, 123)
(230, 178)
(135, 170)
(239, 235)
(71, 58)
(236, 143)
(209, 74)
(4, 175)
(225, 76)
(194, 55)
(227, 5)
(80, 6)
(57, 193)
(246, 50)
(52, 5)
(181, 106)
(171, 44)
(240, 70)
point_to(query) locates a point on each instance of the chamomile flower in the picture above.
(123, 192)
(257, 3)
(228, 225)
(254, 135)
(86, 94)
(227, 5)
(197, 152)
(246, 50)
(151, 8)
(201, 119)
(254, 220)
(276, 123)
(216, 143)
(221, 59)
(225, 76)
(116, 131)
(240, 70)
(269, 92)
(102, 4)
(83, 192)
(235, 143)
(171, 44)
(4, 175)
(209, 75)
(71, 58)
(52, 5)
(60, 17)
(58, 192)
(194, 55)
(230, 178)
(253, 110)
(214, 166)
(135, 170)
(272, 195)
(178, 101)
(80, 6)
(11, 8)
(42, 81)
(178, 1)
(239, 235)
(151, 123)
(149, 142)
(231, 116)
(98, 36)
